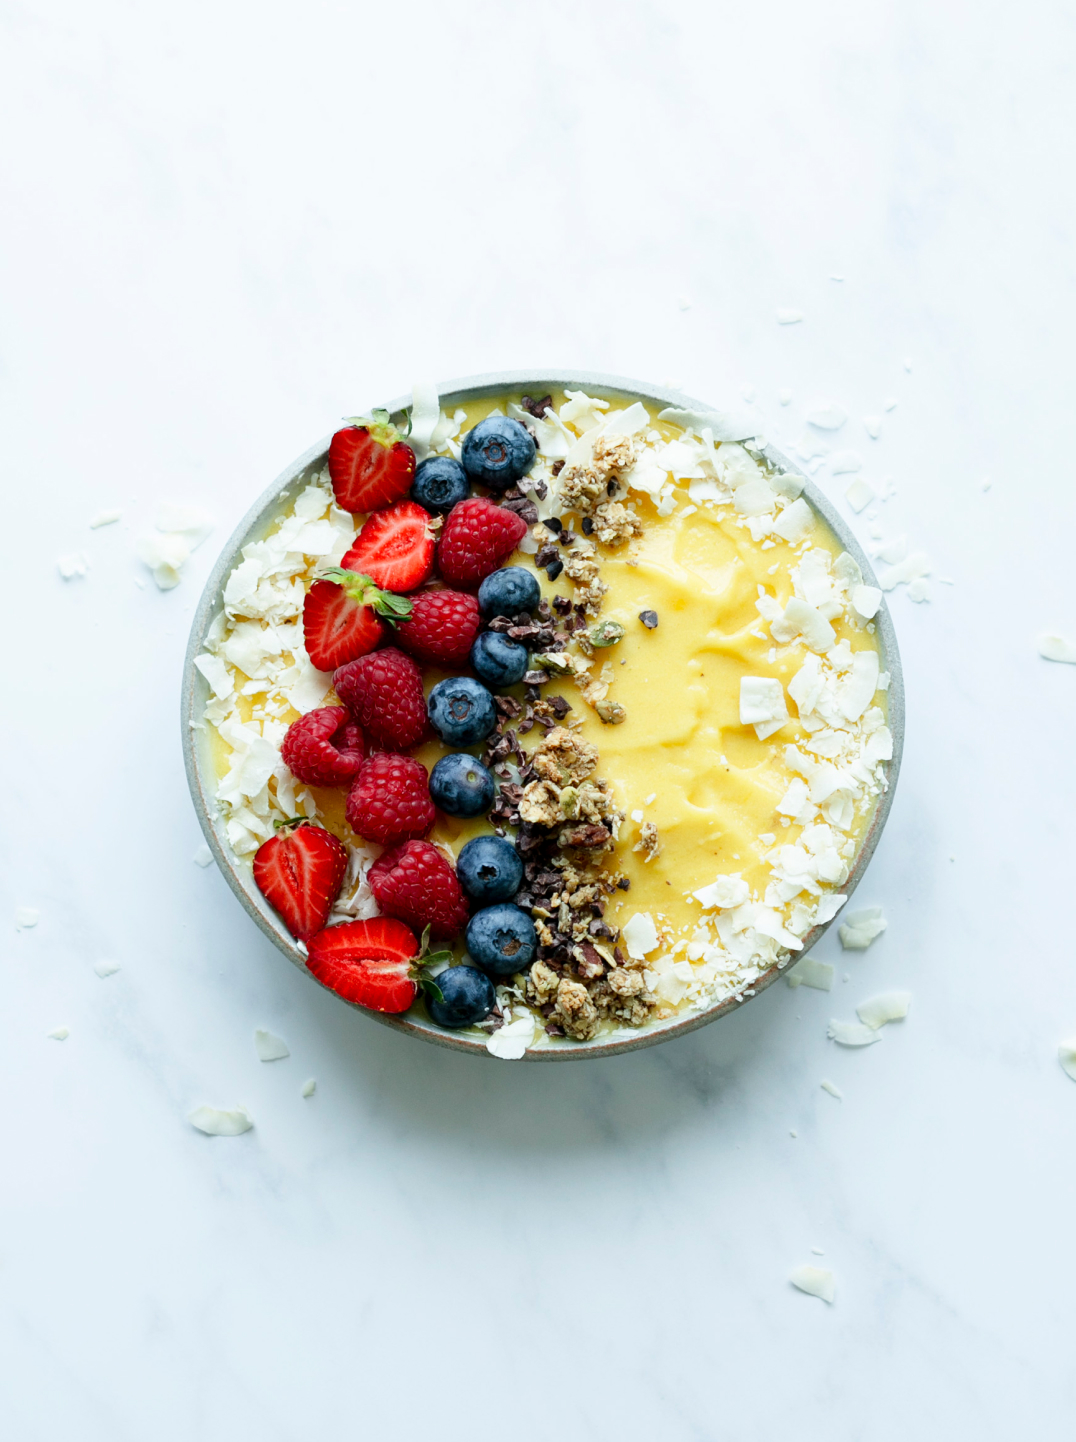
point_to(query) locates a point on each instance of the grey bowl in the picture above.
(199, 766)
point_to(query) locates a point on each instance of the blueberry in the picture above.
(468, 997)
(498, 661)
(497, 452)
(508, 591)
(461, 785)
(439, 483)
(502, 939)
(461, 711)
(489, 869)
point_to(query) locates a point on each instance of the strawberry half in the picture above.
(340, 617)
(375, 963)
(299, 873)
(394, 547)
(369, 464)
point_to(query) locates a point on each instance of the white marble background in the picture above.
(227, 225)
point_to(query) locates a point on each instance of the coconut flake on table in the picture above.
(26, 917)
(887, 1006)
(1066, 1055)
(221, 1121)
(785, 396)
(831, 1087)
(825, 416)
(843, 463)
(808, 972)
(510, 1042)
(1052, 646)
(72, 566)
(851, 1033)
(59, 1033)
(919, 589)
(873, 426)
(859, 495)
(105, 518)
(106, 968)
(860, 928)
(789, 317)
(892, 551)
(203, 856)
(910, 569)
(815, 1281)
(640, 935)
(269, 1046)
(309, 1087)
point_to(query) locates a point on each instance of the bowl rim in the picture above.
(202, 781)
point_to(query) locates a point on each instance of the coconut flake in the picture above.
(808, 972)
(1066, 1055)
(887, 1006)
(193, 524)
(59, 1033)
(785, 396)
(756, 498)
(425, 414)
(873, 426)
(859, 496)
(860, 928)
(217, 674)
(203, 856)
(762, 701)
(511, 1041)
(910, 569)
(104, 518)
(1054, 647)
(309, 1087)
(833, 1089)
(815, 1281)
(270, 1047)
(801, 619)
(794, 522)
(640, 935)
(74, 565)
(866, 600)
(851, 1033)
(843, 463)
(856, 691)
(826, 416)
(221, 1121)
(25, 917)
(789, 317)
(106, 968)
(725, 893)
(722, 425)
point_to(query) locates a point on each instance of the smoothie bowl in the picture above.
(543, 717)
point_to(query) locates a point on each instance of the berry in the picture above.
(467, 997)
(394, 548)
(369, 464)
(499, 661)
(389, 800)
(489, 869)
(477, 538)
(383, 691)
(369, 962)
(441, 628)
(502, 939)
(508, 591)
(324, 747)
(299, 873)
(461, 785)
(415, 883)
(439, 483)
(461, 711)
(340, 617)
(497, 452)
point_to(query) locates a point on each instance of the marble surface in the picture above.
(227, 226)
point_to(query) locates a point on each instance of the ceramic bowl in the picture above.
(202, 779)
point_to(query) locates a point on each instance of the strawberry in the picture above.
(324, 747)
(389, 800)
(340, 617)
(477, 539)
(299, 873)
(415, 883)
(394, 547)
(376, 963)
(441, 628)
(383, 691)
(369, 464)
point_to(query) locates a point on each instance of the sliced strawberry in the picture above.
(394, 547)
(299, 873)
(340, 617)
(369, 962)
(369, 464)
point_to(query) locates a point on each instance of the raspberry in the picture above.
(441, 629)
(390, 800)
(415, 884)
(383, 691)
(324, 747)
(478, 537)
